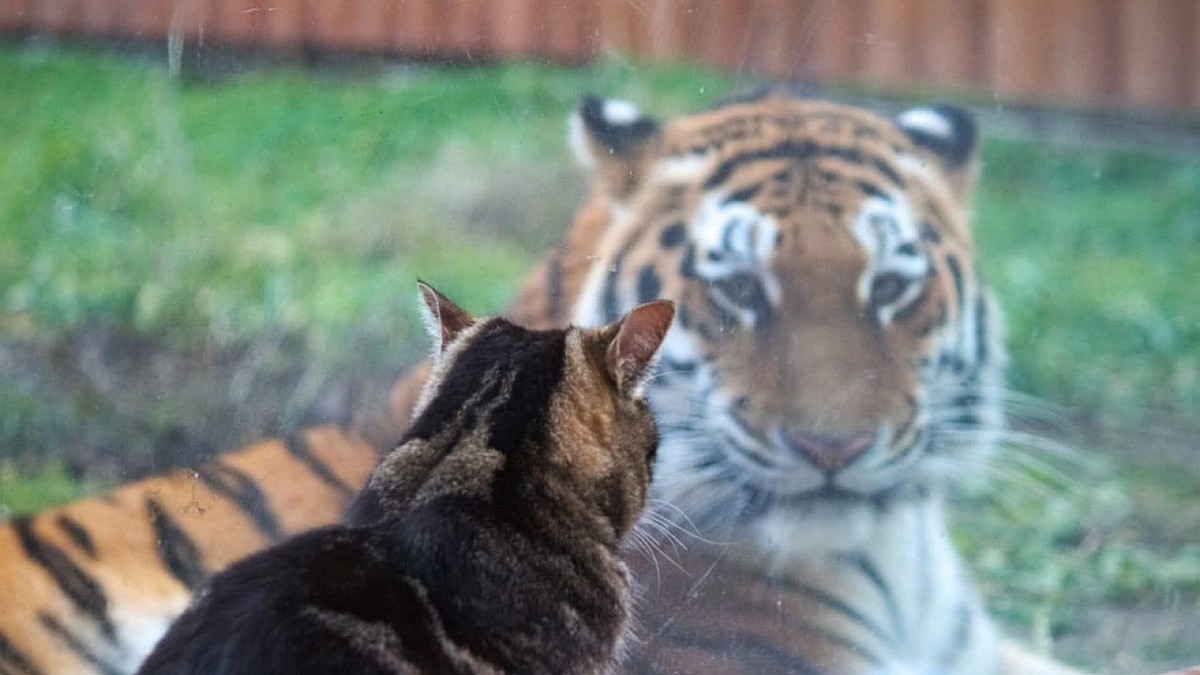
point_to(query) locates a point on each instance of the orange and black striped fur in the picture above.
(89, 587)
(487, 542)
(835, 364)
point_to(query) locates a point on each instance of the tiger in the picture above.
(834, 364)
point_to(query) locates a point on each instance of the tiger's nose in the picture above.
(828, 452)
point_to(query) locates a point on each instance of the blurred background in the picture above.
(212, 213)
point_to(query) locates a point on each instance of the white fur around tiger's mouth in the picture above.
(766, 458)
(726, 473)
(736, 476)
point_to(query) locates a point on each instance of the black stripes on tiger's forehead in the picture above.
(783, 118)
(803, 150)
(530, 363)
(815, 131)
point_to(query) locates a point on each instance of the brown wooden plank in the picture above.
(718, 30)
(694, 23)
(321, 17)
(838, 44)
(563, 31)
(232, 21)
(157, 19)
(761, 28)
(629, 20)
(371, 25)
(240, 22)
(890, 50)
(558, 29)
(126, 20)
(592, 29)
(99, 17)
(615, 27)
(417, 28)
(751, 53)
(1153, 34)
(689, 26)
(151, 19)
(1018, 49)
(949, 41)
(14, 15)
(55, 16)
(1085, 54)
(285, 24)
(461, 27)
(1141, 52)
(191, 18)
(665, 30)
(406, 39)
(642, 20)
(435, 37)
(805, 23)
(1187, 16)
(765, 43)
(513, 27)
(1192, 64)
(331, 24)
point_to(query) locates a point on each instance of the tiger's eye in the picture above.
(744, 291)
(887, 288)
(740, 288)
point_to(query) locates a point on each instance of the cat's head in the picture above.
(553, 415)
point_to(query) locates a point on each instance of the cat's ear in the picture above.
(639, 334)
(443, 319)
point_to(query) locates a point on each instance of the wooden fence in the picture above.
(1098, 53)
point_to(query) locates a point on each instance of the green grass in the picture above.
(1057, 535)
(1096, 256)
(212, 210)
(282, 205)
(218, 212)
(27, 492)
(295, 208)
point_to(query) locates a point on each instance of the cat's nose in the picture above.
(829, 452)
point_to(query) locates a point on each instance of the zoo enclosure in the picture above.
(1138, 54)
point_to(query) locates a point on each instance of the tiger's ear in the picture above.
(947, 136)
(443, 319)
(615, 141)
(631, 352)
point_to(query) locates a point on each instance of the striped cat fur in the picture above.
(487, 542)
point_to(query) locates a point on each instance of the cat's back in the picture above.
(486, 542)
(330, 601)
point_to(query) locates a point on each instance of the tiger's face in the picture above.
(833, 351)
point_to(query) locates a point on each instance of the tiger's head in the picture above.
(834, 352)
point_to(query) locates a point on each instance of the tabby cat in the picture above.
(487, 542)
(835, 363)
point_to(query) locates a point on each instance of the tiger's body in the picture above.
(89, 587)
(835, 362)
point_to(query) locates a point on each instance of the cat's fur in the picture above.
(487, 542)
